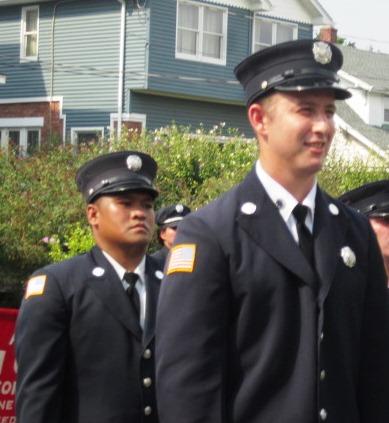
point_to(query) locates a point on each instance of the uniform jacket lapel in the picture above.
(329, 237)
(267, 228)
(110, 291)
(152, 291)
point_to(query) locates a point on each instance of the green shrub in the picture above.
(42, 217)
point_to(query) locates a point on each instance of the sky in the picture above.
(365, 22)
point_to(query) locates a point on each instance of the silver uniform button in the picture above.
(147, 354)
(321, 336)
(323, 414)
(148, 410)
(322, 375)
(147, 381)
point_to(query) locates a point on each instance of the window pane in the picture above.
(186, 42)
(284, 33)
(213, 20)
(188, 16)
(212, 46)
(31, 20)
(32, 142)
(88, 137)
(386, 115)
(263, 32)
(31, 45)
(14, 141)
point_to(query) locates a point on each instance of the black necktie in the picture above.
(305, 236)
(131, 278)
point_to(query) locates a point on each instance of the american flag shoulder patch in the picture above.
(182, 257)
(36, 286)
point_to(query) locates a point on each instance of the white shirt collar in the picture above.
(283, 199)
(120, 270)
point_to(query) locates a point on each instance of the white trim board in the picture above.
(22, 122)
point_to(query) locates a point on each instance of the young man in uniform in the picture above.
(273, 309)
(167, 220)
(85, 331)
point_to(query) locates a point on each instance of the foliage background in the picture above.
(42, 214)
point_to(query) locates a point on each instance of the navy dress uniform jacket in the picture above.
(160, 256)
(244, 338)
(80, 350)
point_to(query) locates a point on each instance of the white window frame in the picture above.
(77, 130)
(23, 33)
(127, 117)
(273, 32)
(198, 57)
(4, 138)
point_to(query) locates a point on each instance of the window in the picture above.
(85, 136)
(267, 32)
(386, 115)
(201, 32)
(29, 33)
(22, 141)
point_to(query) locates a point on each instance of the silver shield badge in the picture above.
(134, 163)
(322, 52)
(348, 256)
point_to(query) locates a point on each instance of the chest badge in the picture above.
(98, 271)
(248, 208)
(348, 256)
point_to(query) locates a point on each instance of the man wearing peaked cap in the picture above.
(273, 307)
(85, 331)
(372, 200)
(168, 219)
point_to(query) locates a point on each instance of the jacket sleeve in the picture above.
(373, 384)
(41, 343)
(192, 324)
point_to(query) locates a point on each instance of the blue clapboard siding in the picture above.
(24, 79)
(161, 111)
(86, 41)
(218, 80)
(162, 56)
(86, 60)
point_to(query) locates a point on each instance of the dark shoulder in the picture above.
(153, 262)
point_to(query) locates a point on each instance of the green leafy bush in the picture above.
(42, 217)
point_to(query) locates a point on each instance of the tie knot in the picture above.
(131, 278)
(300, 213)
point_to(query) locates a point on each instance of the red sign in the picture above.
(7, 365)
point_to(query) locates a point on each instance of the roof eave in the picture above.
(361, 138)
(357, 82)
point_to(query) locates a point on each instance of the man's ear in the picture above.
(92, 214)
(257, 117)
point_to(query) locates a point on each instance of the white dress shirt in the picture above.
(285, 201)
(140, 283)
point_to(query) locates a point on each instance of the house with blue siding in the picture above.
(71, 70)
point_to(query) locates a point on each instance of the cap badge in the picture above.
(179, 208)
(248, 208)
(264, 85)
(348, 256)
(98, 271)
(333, 209)
(134, 163)
(90, 191)
(322, 52)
